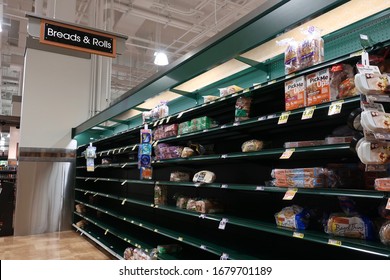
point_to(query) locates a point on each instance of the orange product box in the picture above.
(318, 87)
(295, 93)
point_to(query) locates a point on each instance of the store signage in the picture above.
(81, 39)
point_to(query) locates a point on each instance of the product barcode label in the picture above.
(335, 108)
(308, 113)
(283, 118)
(290, 193)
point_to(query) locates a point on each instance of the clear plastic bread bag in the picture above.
(291, 55)
(311, 48)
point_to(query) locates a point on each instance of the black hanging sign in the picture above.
(81, 39)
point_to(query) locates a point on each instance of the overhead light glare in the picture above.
(160, 59)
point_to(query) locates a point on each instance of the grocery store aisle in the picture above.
(66, 245)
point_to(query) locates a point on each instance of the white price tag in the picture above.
(105, 233)
(224, 156)
(168, 119)
(290, 193)
(283, 118)
(134, 147)
(260, 188)
(388, 204)
(262, 118)
(97, 179)
(155, 143)
(234, 94)
(124, 201)
(287, 153)
(236, 123)
(180, 238)
(203, 247)
(246, 90)
(155, 123)
(257, 86)
(308, 113)
(123, 166)
(224, 186)
(161, 121)
(202, 216)
(335, 107)
(222, 223)
(180, 115)
(223, 126)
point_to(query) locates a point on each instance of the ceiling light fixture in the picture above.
(160, 58)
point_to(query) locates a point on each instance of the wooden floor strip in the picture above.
(66, 245)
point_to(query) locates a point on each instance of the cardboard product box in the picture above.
(318, 87)
(295, 93)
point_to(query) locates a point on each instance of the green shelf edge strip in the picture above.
(125, 237)
(207, 246)
(259, 119)
(363, 246)
(226, 99)
(102, 244)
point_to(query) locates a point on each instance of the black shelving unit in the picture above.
(120, 210)
(118, 203)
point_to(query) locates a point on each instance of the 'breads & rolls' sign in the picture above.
(81, 39)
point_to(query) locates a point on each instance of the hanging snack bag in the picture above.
(295, 93)
(318, 88)
(311, 48)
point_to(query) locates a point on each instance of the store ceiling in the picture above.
(177, 26)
